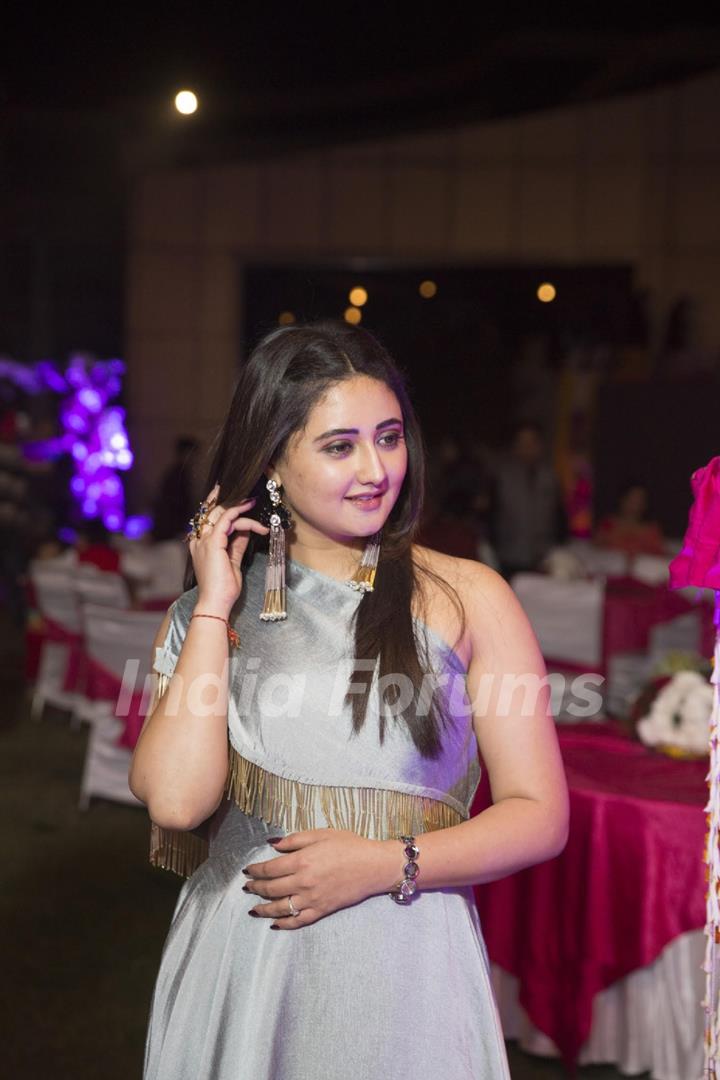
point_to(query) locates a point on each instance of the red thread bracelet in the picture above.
(233, 636)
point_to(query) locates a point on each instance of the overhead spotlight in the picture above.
(358, 296)
(427, 289)
(186, 102)
(353, 315)
(286, 318)
(546, 292)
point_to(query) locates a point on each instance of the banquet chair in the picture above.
(157, 569)
(118, 644)
(598, 562)
(55, 593)
(652, 569)
(95, 586)
(566, 616)
(104, 587)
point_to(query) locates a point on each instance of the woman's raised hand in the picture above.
(217, 554)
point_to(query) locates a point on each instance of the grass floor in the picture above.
(83, 916)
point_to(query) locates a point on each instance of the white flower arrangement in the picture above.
(679, 717)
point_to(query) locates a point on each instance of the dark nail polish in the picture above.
(245, 888)
(274, 927)
(274, 839)
(254, 914)
(244, 870)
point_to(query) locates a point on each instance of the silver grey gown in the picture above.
(373, 990)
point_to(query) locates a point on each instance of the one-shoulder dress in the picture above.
(374, 990)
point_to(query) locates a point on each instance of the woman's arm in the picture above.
(515, 730)
(179, 765)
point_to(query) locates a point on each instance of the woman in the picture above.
(283, 792)
(629, 529)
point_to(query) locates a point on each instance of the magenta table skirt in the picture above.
(631, 879)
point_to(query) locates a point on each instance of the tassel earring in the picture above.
(363, 580)
(278, 518)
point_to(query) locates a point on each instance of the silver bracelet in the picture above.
(403, 890)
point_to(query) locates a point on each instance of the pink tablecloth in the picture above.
(632, 609)
(630, 880)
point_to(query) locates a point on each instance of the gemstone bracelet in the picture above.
(404, 889)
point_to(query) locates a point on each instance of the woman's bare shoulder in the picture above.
(458, 572)
(480, 590)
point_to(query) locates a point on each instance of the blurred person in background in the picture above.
(527, 515)
(629, 529)
(175, 500)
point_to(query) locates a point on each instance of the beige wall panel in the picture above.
(165, 377)
(487, 142)
(699, 277)
(549, 135)
(699, 125)
(152, 444)
(167, 210)
(614, 131)
(357, 209)
(613, 212)
(548, 214)
(420, 213)
(219, 359)
(219, 295)
(432, 146)
(655, 218)
(660, 107)
(360, 153)
(294, 195)
(163, 292)
(696, 208)
(482, 219)
(232, 211)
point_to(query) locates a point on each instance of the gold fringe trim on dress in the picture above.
(293, 805)
(174, 849)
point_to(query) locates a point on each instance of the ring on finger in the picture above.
(200, 518)
(293, 910)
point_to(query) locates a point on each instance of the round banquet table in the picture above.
(630, 881)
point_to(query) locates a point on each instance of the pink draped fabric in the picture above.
(630, 880)
(699, 560)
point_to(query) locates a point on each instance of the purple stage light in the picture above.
(93, 432)
(124, 459)
(91, 399)
(137, 526)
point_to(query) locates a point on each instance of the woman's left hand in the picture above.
(323, 870)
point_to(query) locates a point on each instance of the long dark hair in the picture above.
(287, 373)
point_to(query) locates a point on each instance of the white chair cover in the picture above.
(565, 615)
(158, 569)
(682, 632)
(116, 638)
(652, 569)
(54, 586)
(651, 1020)
(122, 641)
(597, 561)
(101, 587)
(106, 768)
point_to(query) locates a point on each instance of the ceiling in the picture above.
(284, 75)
